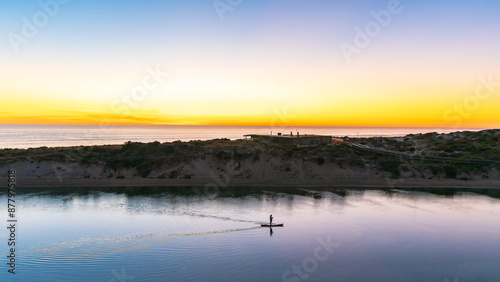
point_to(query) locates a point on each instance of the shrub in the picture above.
(222, 155)
(450, 172)
(320, 160)
(390, 165)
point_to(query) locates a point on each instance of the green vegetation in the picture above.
(483, 144)
(146, 157)
(391, 165)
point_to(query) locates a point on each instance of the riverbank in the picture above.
(212, 184)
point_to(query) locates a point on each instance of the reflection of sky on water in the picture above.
(396, 235)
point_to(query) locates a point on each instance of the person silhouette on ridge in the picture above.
(271, 220)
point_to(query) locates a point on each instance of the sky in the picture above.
(417, 63)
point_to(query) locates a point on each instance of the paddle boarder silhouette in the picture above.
(271, 220)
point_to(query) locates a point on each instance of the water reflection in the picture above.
(238, 192)
(157, 232)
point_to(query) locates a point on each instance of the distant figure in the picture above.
(270, 219)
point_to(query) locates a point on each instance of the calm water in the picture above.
(176, 234)
(26, 136)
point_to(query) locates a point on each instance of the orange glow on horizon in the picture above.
(271, 121)
(379, 104)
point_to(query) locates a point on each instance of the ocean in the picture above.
(32, 136)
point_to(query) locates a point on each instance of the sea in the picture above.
(32, 136)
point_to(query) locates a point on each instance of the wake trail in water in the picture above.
(198, 214)
(87, 247)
